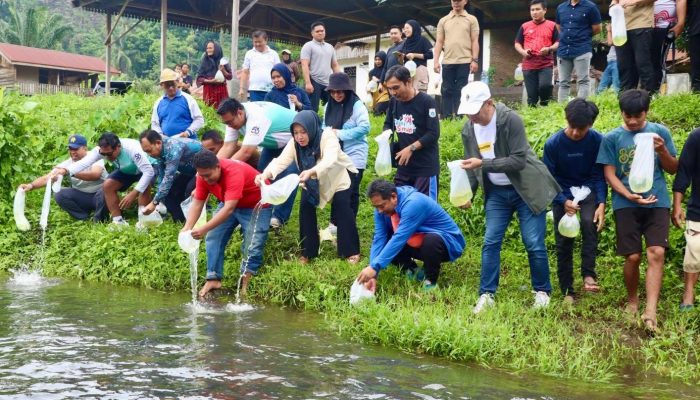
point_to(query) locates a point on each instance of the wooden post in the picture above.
(108, 62)
(163, 34)
(233, 84)
(377, 45)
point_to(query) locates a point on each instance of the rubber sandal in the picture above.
(686, 307)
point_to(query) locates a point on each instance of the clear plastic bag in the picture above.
(411, 66)
(372, 86)
(45, 206)
(279, 191)
(185, 206)
(219, 77)
(187, 243)
(359, 292)
(18, 211)
(641, 177)
(57, 185)
(460, 189)
(382, 164)
(568, 224)
(151, 220)
(619, 26)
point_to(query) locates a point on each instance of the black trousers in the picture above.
(182, 186)
(433, 253)
(454, 78)
(318, 95)
(355, 180)
(634, 61)
(538, 83)
(348, 238)
(565, 245)
(694, 52)
(79, 204)
(658, 38)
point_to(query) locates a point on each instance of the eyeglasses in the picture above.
(168, 84)
(107, 154)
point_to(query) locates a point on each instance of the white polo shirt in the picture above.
(260, 64)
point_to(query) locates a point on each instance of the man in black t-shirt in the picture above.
(413, 116)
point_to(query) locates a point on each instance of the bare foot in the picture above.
(209, 286)
(632, 306)
(569, 299)
(303, 260)
(244, 284)
(649, 322)
(353, 259)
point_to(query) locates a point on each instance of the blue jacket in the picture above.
(354, 135)
(418, 213)
(179, 114)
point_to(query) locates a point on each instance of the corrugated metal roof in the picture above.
(53, 59)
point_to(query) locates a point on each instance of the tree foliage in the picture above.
(34, 27)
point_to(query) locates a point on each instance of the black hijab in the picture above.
(414, 43)
(308, 155)
(338, 113)
(377, 71)
(210, 64)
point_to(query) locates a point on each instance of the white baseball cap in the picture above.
(473, 97)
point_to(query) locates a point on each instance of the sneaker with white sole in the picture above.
(485, 301)
(116, 225)
(541, 300)
(275, 223)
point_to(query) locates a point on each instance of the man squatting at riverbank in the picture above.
(409, 225)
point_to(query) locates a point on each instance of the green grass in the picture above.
(591, 341)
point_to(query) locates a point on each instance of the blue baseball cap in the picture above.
(76, 141)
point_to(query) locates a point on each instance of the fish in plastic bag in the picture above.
(382, 164)
(568, 224)
(460, 189)
(278, 192)
(641, 177)
(18, 211)
(151, 220)
(358, 293)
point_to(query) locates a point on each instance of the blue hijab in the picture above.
(279, 96)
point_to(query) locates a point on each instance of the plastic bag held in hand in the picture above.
(187, 243)
(382, 164)
(642, 170)
(568, 224)
(359, 292)
(460, 189)
(278, 192)
(151, 220)
(57, 185)
(45, 206)
(18, 210)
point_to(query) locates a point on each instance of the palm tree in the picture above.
(33, 27)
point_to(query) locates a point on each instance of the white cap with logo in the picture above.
(473, 97)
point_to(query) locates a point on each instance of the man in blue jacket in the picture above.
(409, 225)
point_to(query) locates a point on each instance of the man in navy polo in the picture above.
(176, 113)
(577, 21)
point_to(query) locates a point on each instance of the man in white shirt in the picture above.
(85, 194)
(257, 65)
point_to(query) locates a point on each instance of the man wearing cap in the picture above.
(131, 165)
(85, 194)
(291, 64)
(498, 158)
(257, 64)
(318, 62)
(176, 113)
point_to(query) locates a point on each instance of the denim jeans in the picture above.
(501, 203)
(254, 231)
(284, 210)
(565, 245)
(610, 78)
(581, 65)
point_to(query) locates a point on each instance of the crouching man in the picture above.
(409, 225)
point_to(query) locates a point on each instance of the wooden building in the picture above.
(30, 70)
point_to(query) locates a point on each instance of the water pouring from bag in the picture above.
(278, 192)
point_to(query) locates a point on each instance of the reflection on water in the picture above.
(68, 340)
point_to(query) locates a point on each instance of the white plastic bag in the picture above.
(185, 206)
(219, 77)
(279, 191)
(372, 86)
(187, 243)
(151, 220)
(382, 164)
(18, 210)
(57, 185)
(641, 177)
(619, 26)
(460, 189)
(359, 292)
(411, 67)
(45, 205)
(568, 224)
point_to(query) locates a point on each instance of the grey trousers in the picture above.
(79, 204)
(581, 65)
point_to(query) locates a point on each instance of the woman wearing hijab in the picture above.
(417, 49)
(380, 97)
(347, 115)
(325, 178)
(213, 92)
(284, 92)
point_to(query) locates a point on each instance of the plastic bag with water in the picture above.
(382, 164)
(359, 292)
(568, 224)
(57, 185)
(219, 77)
(641, 177)
(185, 206)
(151, 220)
(45, 206)
(187, 243)
(279, 191)
(18, 210)
(460, 189)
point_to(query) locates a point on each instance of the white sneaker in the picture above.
(541, 300)
(275, 223)
(485, 301)
(116, 225)
(332, 229)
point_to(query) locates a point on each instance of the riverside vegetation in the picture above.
(592, 340)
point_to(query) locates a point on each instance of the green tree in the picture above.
(33, 27)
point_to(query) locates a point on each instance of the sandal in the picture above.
(353, 259)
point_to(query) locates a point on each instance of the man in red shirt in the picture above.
(536, 41)
(233, 183)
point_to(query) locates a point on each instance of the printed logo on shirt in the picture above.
(255, 131)
(405, 124)
(432, 113)
(137, 157)
(486, 147)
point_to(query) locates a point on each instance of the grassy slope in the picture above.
(591, 341)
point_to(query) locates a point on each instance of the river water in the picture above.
(77, 340)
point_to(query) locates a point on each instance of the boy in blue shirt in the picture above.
(636, 214)
(570, 155)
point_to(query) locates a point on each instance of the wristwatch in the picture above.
(155, 202)
(413, 147)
